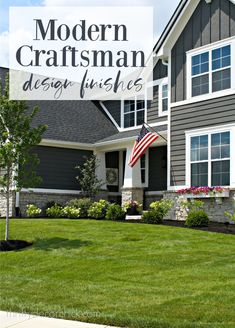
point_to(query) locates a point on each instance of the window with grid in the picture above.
(134, 112)
(165, 97)
(210, 160)
(211, 71)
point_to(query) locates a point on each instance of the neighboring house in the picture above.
(193, 108)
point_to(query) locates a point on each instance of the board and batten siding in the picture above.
(208, 113)
(57, 167)
(209, 23)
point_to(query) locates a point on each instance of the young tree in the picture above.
(17, 137)
(89, 182)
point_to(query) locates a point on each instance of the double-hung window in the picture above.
(211, 70)
(210, 159)
(133, 112)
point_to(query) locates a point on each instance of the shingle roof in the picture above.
(129, 134)
(73, 120)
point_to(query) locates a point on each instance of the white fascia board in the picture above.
(173, 32)
(66, 144)
(109, 115)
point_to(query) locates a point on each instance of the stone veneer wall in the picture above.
(41, 199)
(132, 194)
(148, 199)
(214, 207)
(3, 202)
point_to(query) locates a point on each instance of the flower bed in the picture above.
(204, 192)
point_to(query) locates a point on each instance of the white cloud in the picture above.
(4, 53)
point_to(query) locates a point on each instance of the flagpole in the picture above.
(156, 132)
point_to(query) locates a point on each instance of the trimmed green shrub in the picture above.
(98, 209)
(55, 211)
(82, 203)
(33, 211)
(197, 219)
(71, 212)
(52, 203)
(115, 212)
(152, 216)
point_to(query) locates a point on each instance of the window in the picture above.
(164, 97)
(143, 168)
(134, 112)
(210, 159)
(210, 70)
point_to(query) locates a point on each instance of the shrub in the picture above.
(83, 204)
(192, 205)
(98, 209)
(52, 203)
(152, 216)
(162, 207)
(33, 211)
(55, 211)
(71, 212)
(115, 212)
(197, 218)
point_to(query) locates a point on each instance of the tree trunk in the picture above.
(7, 209)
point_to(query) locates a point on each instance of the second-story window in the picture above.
(164, 97)
(134, 112)
(211, 71)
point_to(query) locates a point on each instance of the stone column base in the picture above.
(132, 194)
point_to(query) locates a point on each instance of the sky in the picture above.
(163, 9)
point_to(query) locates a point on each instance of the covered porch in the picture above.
(145, 182)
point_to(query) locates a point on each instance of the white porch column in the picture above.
(132, 177)
(101, 170)
(132, 187)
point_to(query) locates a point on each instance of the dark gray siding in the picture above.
(152, 108)
(114, 108)
(112, 161)
(209, 23)
(157, 168)
(159, 71)
(57, 167)
(201, 114)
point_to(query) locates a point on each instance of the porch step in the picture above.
(133, 217)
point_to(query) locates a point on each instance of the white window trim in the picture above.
(208, 131)
(123, 114)
(151, 84)
(145, 185)
(160, 111)
(209, 48)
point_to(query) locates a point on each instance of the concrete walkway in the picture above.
(22, 320)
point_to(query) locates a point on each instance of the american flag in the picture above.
(144, 139)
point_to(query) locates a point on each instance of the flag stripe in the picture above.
(144, 139)
(141, 150)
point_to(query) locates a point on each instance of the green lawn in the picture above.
(123, 274)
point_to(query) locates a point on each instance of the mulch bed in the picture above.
(13, 245)
(213, 226)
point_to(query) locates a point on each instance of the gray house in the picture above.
(193, 108)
